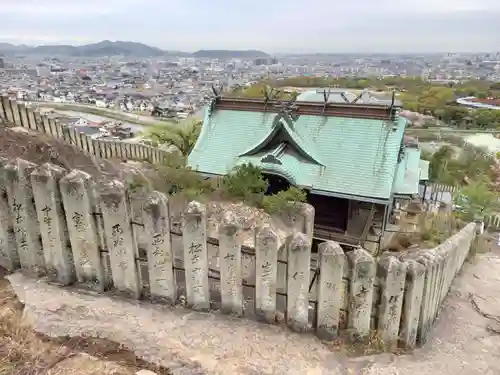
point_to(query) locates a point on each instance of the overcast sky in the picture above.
(270, 25)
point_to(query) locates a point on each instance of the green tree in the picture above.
(283, 200)
(477, 200)
(487, 118)
(245, 182)
(438, 166)
(182, 136)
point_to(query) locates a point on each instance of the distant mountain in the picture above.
(104, 48)
(225, 54)
(119, 48)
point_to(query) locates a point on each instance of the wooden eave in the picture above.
(364, 111)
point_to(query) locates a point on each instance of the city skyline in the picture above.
(276, 27)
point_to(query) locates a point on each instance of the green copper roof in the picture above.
(424, 170)
(283, 132)
(346, 156)
(408, 173)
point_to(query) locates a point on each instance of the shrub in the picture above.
(176, 178)
(285, 199)
(245, 182)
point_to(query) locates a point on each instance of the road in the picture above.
(106, 112)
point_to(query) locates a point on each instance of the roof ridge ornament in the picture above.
(217, 95)
(326, 96)
(287, 110)
(270, 94)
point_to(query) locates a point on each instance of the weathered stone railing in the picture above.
(72, 230)
(21, 115)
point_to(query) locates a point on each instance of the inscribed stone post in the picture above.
(101, 149)
(299, 262)
(58, 257)
(73, 134)
(90, 145)
(434, 283)
(25, 220)
(80, 141)
(444, 252)
(2, 110)
(118, 147)
(154, 159)
(128, 151)
(117, 228)
(123, 151)
(50, 126)
(362, 275)
(38, 120)
(23, 112)
(76, 190)
(95, 146)
(62, 132)
(15, 112)
(423, 325)
(111, 150)
(414, 288)
(230, 242)
(87, 144)
(194, 239)
(31, 119)
(7, 106)
(156, 219)
(392, 276)
(9, 258)
(137, 197)
(330, 289)
(266, 261)
(105, 149)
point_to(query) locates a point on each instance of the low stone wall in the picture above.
(21, 115)
(72, 230)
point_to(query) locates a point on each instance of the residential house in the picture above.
(346, 151)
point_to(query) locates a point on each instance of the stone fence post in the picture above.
(415, 278)
(230, 242)
(31, 119)
(57, 253)
(117, 228)
(9, 258)
(7, 106)
(194, 239)
(15, 112)
(330, 289)
(23, 114)
(266, 268)
(77, 190)
(392, 276)
(156, 219)
(362, 274)
(299, 263)
(25, 219)
(425, 308)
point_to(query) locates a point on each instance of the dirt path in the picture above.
(464, 341)
(23, 352)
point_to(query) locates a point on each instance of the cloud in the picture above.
(274, 26)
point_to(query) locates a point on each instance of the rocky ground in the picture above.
(465, 339)
(24, 352)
